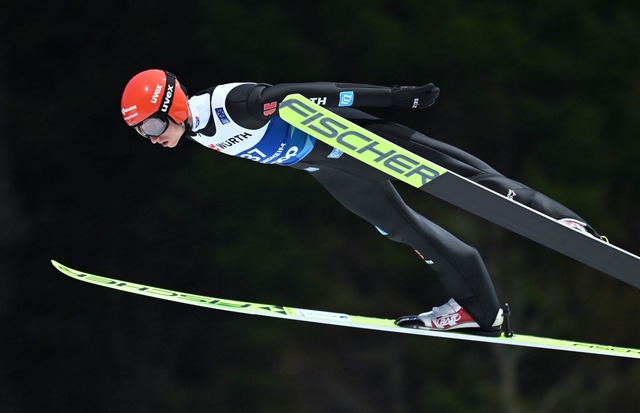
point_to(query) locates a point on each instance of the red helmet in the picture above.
(154, 92)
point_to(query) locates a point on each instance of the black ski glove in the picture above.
(414, 97)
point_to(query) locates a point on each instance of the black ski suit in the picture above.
(259, 134)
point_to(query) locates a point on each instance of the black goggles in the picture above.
(156, 124)
(152, 127)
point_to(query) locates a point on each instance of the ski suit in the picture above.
(241, 119)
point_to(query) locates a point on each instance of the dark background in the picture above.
(548, 93)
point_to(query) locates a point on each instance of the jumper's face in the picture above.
(171, 136)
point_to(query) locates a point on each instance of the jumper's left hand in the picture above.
(414, 97)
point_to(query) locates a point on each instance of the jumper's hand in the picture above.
(414, 97)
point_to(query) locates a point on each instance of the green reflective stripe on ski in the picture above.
(339, 319)
(358, 142)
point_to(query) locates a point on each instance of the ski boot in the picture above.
(450, 316)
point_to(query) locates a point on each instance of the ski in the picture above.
(431, 178)
(339, 319)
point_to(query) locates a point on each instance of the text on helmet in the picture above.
(156, 94)
(167, 99)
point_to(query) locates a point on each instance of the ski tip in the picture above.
(64, 269)
(58, 266)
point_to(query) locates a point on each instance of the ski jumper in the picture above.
(241, 119)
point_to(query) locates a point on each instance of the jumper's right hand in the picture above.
(414, 97)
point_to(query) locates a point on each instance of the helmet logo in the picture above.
(156, 93)
(129, 109)
(167, 99)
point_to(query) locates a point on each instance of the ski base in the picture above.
(340, 319)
